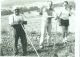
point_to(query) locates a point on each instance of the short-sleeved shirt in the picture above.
(18, 29)
(15, 19)
(64, 14)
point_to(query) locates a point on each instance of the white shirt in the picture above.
(15, 19)
(64, 14)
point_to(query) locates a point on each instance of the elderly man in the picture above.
(46, 26)
(17, 22)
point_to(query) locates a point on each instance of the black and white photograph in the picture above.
(38, 28)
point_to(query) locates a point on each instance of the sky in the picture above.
(10, 3)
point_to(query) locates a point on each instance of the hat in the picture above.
(15, 8)
(66, 2)
(50, 5)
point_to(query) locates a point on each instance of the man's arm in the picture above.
(11, 20)
(50, 17)
(24, 21)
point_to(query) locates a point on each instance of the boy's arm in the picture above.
(58, 16)
(70, 13)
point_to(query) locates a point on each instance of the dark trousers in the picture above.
(65, 24)
(20, 33)
(23, 42)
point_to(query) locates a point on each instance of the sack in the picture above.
(24, 22)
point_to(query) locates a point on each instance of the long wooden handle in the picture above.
(31, 43)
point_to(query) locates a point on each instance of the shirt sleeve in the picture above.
(10, 20)
(24, 18)
(70, 13)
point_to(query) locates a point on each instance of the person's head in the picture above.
(51, 6)
(16, 10)
(65, 3)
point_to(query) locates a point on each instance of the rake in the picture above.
(31, 42)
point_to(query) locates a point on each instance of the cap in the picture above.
(15, 8)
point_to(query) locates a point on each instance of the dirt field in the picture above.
(33, 33)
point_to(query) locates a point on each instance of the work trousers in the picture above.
(18, 32)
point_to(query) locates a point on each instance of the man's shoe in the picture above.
(41, 47)
(24, 54)
(16, 53)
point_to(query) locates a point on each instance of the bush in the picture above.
(6, 12)
(4, 32)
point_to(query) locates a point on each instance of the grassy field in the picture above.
(33, 33)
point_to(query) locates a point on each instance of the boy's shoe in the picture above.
(64, 40)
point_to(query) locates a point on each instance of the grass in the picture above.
(33, 33)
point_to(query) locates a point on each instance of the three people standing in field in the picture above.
(16, 21)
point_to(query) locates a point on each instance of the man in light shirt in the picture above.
(16, 21)
(64, 19)
(46, 25)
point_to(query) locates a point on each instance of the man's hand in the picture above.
(50, 17)
(20, 22)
